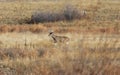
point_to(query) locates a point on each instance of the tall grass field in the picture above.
(92, 26)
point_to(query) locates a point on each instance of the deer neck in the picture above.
(54, 38)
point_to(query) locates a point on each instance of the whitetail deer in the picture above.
(59, 39)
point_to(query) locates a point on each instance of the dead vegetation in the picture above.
(83, 26)
(68, 13)
(22, 28)
(94, 47)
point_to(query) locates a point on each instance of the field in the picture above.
(93, 48)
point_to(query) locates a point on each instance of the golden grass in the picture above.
(86, 54)
(38, 40)
(17, 12)
(93, 49)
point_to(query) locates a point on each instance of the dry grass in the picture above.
(84, 55)
(94, 47)
(83, 26)
(102, 16)
(19, 11)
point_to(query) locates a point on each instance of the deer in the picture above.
(59, 39)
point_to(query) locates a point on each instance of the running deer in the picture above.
(59, 39)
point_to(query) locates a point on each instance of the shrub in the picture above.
(69, 13)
